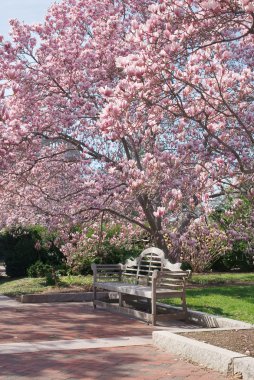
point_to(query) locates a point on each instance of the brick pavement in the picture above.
(51, 322)
(138, 362)
(64, 321)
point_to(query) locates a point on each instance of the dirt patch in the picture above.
(241, 341)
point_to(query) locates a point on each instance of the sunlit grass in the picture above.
(16, 287)
(221, 278)
(236, 302)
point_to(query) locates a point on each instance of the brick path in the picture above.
(52, 322)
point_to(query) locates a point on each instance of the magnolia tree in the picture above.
(126, 111)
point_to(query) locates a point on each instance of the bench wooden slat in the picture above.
(109, 272)
(109, 265)
(100, 277)
(170, 286)
(172, 281)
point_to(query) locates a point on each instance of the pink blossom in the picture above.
(159, 212)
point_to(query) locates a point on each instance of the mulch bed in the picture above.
(241, 341)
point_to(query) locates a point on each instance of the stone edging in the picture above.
(213, 357)
(61, 297)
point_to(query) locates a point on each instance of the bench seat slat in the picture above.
(137, 290)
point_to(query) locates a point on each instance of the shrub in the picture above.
(201, 245)
(51, 274)
(24, 246)
(237, 259)
(113, 254)
(236, 218)
(185, 266)
(38, 269)
(83, 249)
(81, 261)
(52, 277)
(19, 252)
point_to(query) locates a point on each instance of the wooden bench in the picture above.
(140, 283)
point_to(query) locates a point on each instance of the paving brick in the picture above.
(33, 323)
(124, 363)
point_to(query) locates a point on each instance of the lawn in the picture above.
(221, 278)
(12, 287)
(236, 302)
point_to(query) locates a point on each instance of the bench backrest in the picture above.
(173, 280)
(141, 268)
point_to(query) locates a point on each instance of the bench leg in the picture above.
(153, 301)
(184, 306)
(94, 297)
(149, 305)
(120, 299)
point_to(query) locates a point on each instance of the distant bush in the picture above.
(109, 254)
(237, 259)
(38, 269)
(24, 246)
(185, 266)
(236, 217)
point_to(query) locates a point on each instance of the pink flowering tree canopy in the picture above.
(131, 111)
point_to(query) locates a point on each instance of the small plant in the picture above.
(38, 269)
(51, 273)
(52, 277)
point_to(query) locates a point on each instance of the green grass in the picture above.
(221, 278)
(236, 302)
(16, 287)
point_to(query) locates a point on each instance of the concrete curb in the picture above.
(245, 366)
(216, 358)
(215, 321)
(7, 302)
(61, 297)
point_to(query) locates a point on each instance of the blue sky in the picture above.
(29, 11)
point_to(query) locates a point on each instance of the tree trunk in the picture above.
(161, 243)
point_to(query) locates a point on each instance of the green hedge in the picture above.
(22, 247)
